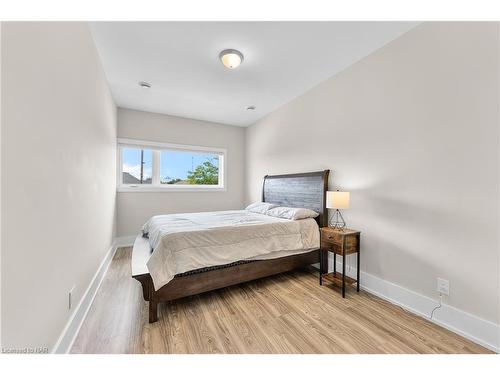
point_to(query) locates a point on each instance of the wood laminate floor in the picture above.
(288, 313)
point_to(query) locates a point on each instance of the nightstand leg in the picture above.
(320, 267)
(357, 276)
(343, 276)
(334, 263)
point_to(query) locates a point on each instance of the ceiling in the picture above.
(180, 60)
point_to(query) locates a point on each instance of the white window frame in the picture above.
(157, 148)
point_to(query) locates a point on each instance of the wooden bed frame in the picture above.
(306, 190)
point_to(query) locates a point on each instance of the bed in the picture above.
(219, 267)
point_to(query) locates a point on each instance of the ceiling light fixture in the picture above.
(145, 85)
(231, 58)
(251, 108)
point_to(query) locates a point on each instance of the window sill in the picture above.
(169, 189)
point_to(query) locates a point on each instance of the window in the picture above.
(137, 166)
(189, 168)
(152, 166)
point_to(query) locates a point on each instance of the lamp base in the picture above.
(337, 221)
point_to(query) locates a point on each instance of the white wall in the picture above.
(498, 227)
(0, 185)
(413, 132)
(135, 208)
(58, 150)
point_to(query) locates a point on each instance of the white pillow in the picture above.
(292, 213)
(260, 207)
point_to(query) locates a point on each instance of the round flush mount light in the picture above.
(251, 108)
(231, 58)
(145, 85)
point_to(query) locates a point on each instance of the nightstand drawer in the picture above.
(331, 237)
(351, 245)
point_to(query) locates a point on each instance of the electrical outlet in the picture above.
(443, 286)
(70, 297)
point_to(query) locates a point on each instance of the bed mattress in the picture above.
(184, 242)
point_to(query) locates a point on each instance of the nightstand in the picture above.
(339, 242)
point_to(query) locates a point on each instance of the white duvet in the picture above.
(186, 242)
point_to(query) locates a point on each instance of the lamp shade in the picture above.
(337, 199)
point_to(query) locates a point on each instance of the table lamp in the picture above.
(337, 200)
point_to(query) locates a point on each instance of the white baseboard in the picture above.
(70, 331)
(125, 241)
(476, 329)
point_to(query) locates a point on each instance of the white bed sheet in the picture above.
(185, 242)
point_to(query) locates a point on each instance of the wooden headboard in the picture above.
(307, 190)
